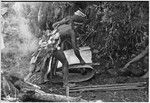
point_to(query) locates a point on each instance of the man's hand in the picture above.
(63, 21)
(43, 44)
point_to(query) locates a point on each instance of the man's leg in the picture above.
(44, 69)
(53, 67)
(61, 57)
(75, 47)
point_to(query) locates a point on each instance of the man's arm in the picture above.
(63, 21)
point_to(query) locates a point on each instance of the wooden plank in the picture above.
(108, 88)
(124, 86)
(111, 85)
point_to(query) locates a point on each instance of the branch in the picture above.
(138, 57)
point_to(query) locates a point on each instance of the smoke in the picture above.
(28, 42)
(19, 39)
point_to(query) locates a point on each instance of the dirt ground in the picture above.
(100, 79)
(106, 96)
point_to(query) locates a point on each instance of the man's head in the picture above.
(79, 13)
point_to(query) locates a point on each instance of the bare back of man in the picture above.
(65, 31)
(66, 28)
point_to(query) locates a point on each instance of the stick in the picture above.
(80, 65)
(124, 86)
(138, 57)
(139, 85)
(67, 92)
(108, 88)
(111, 85)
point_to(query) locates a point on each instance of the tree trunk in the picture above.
(42, 16)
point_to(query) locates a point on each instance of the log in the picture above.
(42, 96)
(138, 57)
(31, 91)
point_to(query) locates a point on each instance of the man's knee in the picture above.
(44, 70)
(65, 63)
(76, 50)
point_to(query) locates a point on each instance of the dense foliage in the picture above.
(116, 31)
